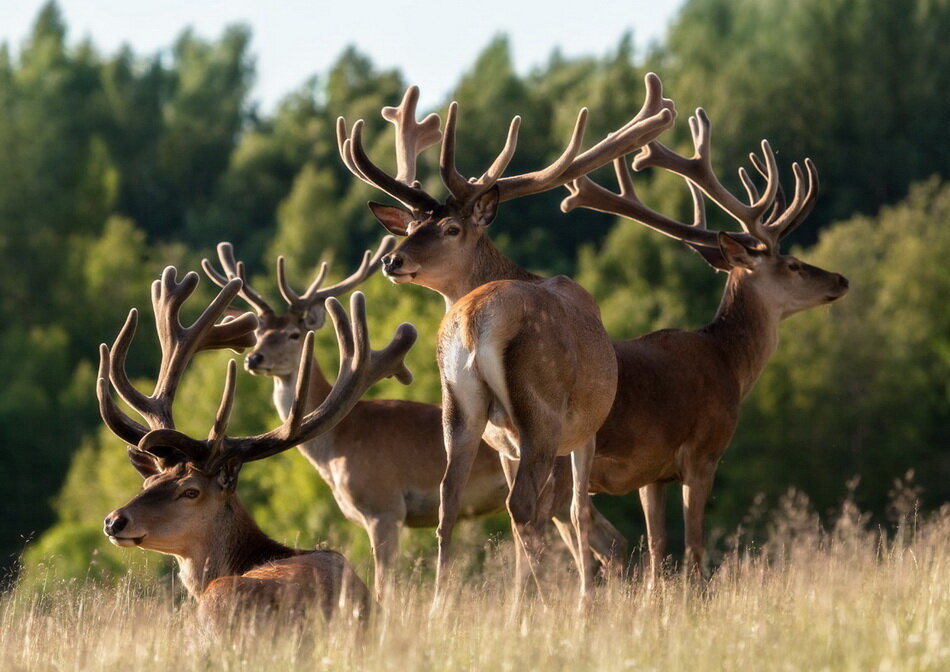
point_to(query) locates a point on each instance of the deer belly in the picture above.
(422, 507)
(484, 493)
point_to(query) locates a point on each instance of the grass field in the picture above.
(808, 598)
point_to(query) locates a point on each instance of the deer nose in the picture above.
(843, 281)
(114, 523)
(253, 360)
(392, 262)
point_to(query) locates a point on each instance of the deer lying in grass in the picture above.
(524, 360)
(679, 392)
(385, 460)
(188, 506)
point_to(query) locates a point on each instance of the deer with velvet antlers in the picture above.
(188, 506)
(384, 461)
(524, 361)
(679, 392)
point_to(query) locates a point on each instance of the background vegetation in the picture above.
(119, 164)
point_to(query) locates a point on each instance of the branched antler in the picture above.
(360, 368)
(767, 219)
(656, 115)
(315, 294)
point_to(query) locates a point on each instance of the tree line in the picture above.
(119, 164)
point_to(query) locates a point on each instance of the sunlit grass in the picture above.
(846, 597)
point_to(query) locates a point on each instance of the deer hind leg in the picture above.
(524, 505)
(463, 422)
(510, 468)
(653, 500)
(384, 537)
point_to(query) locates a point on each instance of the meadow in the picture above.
(843, 596)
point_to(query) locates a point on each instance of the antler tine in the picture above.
(801, 205)
(778, 207)
(411, 137)
(699, 207)
(360, 368)
(234, 269)
(117, 373)
(458, 186)
(655, 116)
(355, 157)
(297, 302)
(223, 416)
(116, 420)
(346, 152)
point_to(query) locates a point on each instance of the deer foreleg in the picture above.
(653, 500)
(695, 494)
(384, 538)
(462, 426)
(581, 460)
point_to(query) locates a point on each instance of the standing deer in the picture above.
(188, 506)
(679, 392)
(524, 360)
(385, 460)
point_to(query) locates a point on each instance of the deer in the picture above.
(679, 391)
(188, 506)
(385, 460)
(524, 361)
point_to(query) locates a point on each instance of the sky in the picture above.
(431, 42)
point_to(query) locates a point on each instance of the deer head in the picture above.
(189, 482)
(280, 336)
(443, 239)
(752, 258)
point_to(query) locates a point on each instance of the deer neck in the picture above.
(746, 329)
(233, 546)
(286, 386)
(485, 265)
(320, 448)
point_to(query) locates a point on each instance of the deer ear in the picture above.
(711, 255)
(315, 317)
(145, 464)
(228, 474)
(395, 220)
(485, 208)
(736, 254)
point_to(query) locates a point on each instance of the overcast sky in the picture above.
(431, 42)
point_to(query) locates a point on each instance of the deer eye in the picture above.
(453, 231)
(294, 336)
(190, 493)
(795, 267)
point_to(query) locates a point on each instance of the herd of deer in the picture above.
(529, 375)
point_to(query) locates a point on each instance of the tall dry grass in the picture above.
(845, 597)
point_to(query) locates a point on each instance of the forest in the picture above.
(117, 165)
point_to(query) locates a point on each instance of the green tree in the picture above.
(858, 85)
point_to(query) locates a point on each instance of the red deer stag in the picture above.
(188, 506)
(385, 460)
(524, 360)
(679, 392)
